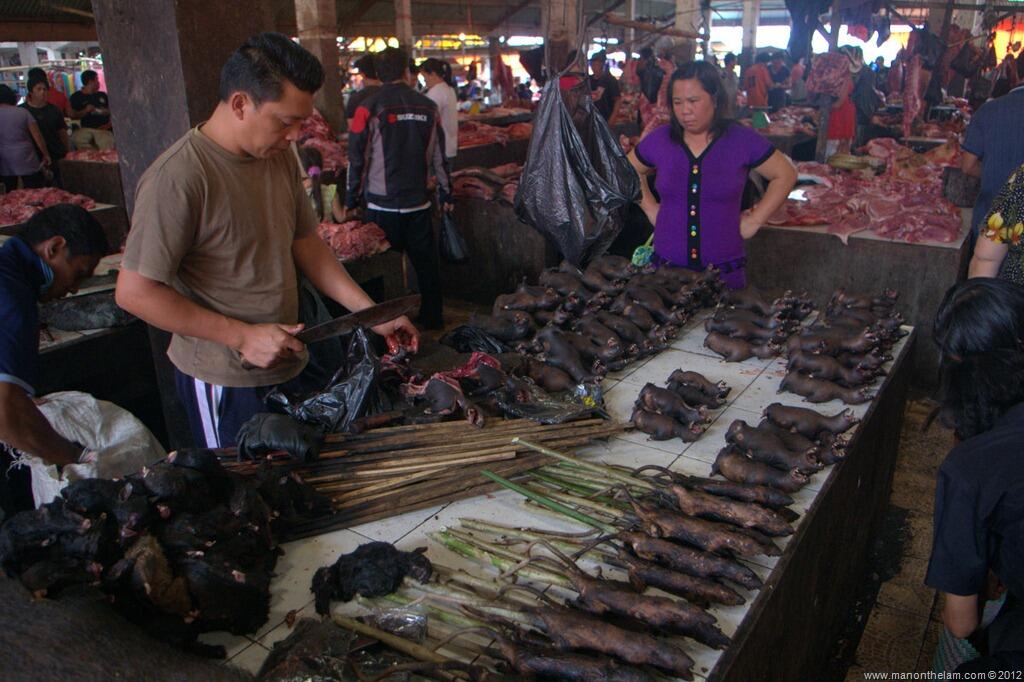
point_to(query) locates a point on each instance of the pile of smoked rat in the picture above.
(181, 548)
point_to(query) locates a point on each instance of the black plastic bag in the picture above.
(576, 180)
(266, 432)
(467, 339)
(351, 393)
(453, 246)
(650, 82)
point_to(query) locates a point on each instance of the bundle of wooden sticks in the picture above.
(390, 471)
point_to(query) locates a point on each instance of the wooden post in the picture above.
(751, 16)
(317, 23)
(825, 110)
(687, 18)
(560, 19)
(162, 60)
(403, 24)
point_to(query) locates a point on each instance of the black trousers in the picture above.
(413, 233)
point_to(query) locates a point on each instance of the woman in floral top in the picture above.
(1000, 248)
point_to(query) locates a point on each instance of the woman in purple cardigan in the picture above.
(701, 160)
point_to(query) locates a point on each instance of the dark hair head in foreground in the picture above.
(979, 330)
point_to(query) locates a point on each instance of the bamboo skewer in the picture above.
(393, 470)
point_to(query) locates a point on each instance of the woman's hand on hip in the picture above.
(749, 224)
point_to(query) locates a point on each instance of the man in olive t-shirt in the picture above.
(221, 222)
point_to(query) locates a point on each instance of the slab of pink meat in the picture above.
(508, 170)
(520, 131)
(472, 133)
(913, 92)
(849, 224)
(316, 133)
(821, 172)
(94, 155)
(21, 204)
(353, 240)
(828, 73)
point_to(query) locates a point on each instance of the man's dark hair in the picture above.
(82, 232)
(35, 79)
(646, 53)
(88, 76)
(7, 96)
(979, 330)
(35, 71)
(600, 56)
(366, 66)
(729, 58)
(391, 63)
(711, 82)
(763, 58)
(260, 66)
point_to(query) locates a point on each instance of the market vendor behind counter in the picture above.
(59, 247)
(702, 161)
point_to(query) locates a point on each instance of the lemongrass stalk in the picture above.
(471, 548)
(598, 468)
(534, 534)
(593, 505)
(548, 502)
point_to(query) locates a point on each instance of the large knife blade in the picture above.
(368, 317)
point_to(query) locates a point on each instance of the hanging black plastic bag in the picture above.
(650, 81)
(576, 180)
(453, 246)
(467, 339)
(351, 393)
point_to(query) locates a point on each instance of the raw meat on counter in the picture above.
(500, 182)
(95, 155)
(353, 240)
(791, 121)
(520, 131)
(317, 134)
(21, 204)
(472, 134)
(904, 203)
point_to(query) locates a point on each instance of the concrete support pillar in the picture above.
(403, 24)
(751, 15)
(631, 32)
(28, 54)
(317, 22)
(560, 22)
(688, 14)
(162, 61)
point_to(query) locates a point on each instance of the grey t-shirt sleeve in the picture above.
(164, 224)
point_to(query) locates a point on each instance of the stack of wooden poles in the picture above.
(389, 471)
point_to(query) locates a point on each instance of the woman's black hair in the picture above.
(8, 96)
(312, 158)
(707, 75)
(439, 68)
(979, 330)
(260, 66)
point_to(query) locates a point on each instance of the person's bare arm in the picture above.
(970, 164)
(37, 137)
(780, 173)
(263, 345)
(24, 427)
(960, 614)
(62, 135)
(648, 203)
(317, 263)
(987, 258)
